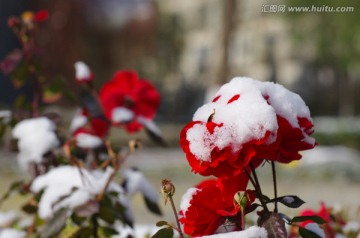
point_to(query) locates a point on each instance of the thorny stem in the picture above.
(275, 185)
(258, 188)
(176, 216)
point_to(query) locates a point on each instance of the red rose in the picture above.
(209, 207)
(128, 101)
(41, 15)
(247, 121)
(325, 214)
(89, 132)
(223, 163)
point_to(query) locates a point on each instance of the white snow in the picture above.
(186, 198)
(251, 232)
(31, 126)
(82, 71)
(8, 217)
(85, 140)
(78, 121)
(316, 229)
(244, 114)
(5, 115)
(288, 199)
(351, 226)
(68, 183)
(137, 182)
(36, 136)
(12, 233)
(122, 114)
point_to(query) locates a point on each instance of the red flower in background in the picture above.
(208, 209)
(128, 101)
(89, 132)
(41, 15)
(333, 221)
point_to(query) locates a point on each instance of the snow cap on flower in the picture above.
(129, 101)
(83, 72)
(36, 137)
(246, 120)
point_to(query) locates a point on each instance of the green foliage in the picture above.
(315, 219)
(333, 33)
(164, 233)
(305, 233)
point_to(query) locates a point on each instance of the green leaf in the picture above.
(108, 231)
(305, 233)
(55, 225)
(161, 223)
(107, 214)
(84, 232)
(77, 220)
(164, 233)
(20, 75)
(15, 186)
(285, 218)
(20, 102)
(315, 219)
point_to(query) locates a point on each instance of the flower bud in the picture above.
(13, 22)
(167, 189)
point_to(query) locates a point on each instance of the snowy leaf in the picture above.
(305, 233)
(289, 201)
(55, 224)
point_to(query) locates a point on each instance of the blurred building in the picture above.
(258, 43)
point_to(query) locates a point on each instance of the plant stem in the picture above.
(176, 216)
(95, 226)
(258, 188)
(250, 178)
(275, 185)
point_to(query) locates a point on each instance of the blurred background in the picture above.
(189, 48)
